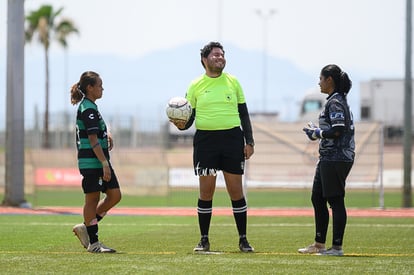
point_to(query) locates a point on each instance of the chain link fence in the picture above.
(157, 161)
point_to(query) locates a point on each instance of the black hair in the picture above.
(206, 50)
(341, 79)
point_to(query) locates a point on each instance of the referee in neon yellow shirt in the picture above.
(223, 140)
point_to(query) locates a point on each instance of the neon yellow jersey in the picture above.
(216, 101)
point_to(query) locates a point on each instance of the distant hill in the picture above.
(140, 87)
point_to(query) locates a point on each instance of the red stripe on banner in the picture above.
(58, 177)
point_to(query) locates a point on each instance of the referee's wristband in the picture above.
(105, 163)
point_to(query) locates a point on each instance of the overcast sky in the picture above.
(360, 35)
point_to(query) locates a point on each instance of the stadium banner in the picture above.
(185, 177)
(58, 177)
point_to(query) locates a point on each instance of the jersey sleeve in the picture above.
(90, 118)
(190, 96)
(240, 94)
(336, 114)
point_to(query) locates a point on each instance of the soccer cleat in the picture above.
(332, 252)
(98, 247)
(245, 246)
(203, 245)
(82, 234)
(311, 249)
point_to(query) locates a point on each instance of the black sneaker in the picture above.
(203, 245)
(245, 246)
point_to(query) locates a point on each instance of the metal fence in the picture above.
(154, 162)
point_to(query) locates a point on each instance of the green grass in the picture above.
(44, 244)
(256, 198)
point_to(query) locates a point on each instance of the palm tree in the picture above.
(42, 23)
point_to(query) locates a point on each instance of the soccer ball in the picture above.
(179, 108)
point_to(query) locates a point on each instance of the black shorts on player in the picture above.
(218, 150)
(94, 183)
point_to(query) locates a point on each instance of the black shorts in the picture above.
(94, 183)
(330, 178)
(218, 150)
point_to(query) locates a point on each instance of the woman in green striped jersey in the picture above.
(93, 144)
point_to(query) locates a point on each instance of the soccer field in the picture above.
(45, 244)
(188, 198)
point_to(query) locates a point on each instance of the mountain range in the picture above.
(139, 87)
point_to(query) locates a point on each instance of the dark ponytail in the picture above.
(78, 90)
(341, 79)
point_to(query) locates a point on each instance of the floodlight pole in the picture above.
(219, 20)
(14, 181)
(265, 16)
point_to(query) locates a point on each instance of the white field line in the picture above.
(212, 224)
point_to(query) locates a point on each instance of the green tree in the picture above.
(43, 24)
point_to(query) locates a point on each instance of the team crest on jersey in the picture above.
(336, 116)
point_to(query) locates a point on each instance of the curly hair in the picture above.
(206, 50)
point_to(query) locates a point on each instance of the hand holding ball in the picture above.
(178, 108)
(178, 111)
